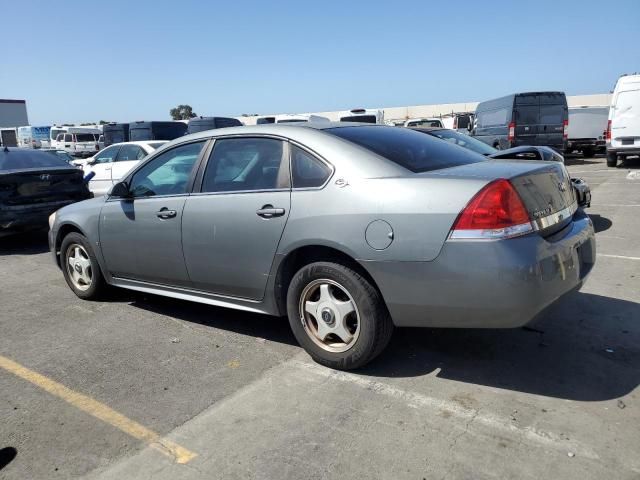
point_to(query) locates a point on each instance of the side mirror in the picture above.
(120, 190)
(91, 162)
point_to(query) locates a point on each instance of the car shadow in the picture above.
(600, 223)
(585, 347)
(579, 160)
(28, 243)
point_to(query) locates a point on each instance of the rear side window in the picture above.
(306, 170)
(492, 118)
(412, 150)
(245, 164)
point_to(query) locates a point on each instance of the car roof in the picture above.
(140, 142)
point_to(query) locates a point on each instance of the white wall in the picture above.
(416, 111)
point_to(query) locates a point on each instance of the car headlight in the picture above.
(52, 220)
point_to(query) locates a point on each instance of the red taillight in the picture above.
(512, 131)
(495, 212)
(565, 129)
(608, 134)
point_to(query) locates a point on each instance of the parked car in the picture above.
(33, 184)
(533, 118)
(424, 122)
(623, 126)
(348, 229)
(290, 118)
(581, 188)
(78, 144)
(112, 163)
(587, 129)
(144, 131)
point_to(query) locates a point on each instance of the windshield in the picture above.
(463, 140)
(360, 118)
(55, 133)
(18, 160)
(412, 150)
(424, 123)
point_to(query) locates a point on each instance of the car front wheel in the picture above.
(337, 315)
(80, 267)
(612, 159)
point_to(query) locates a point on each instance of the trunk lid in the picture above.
(41, 186)
(544, 187)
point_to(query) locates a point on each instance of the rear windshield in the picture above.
(292, 121)
(156, 145)
(412, 150)
(85, 137)
(424, 123)
(360, 118)
(13, 160)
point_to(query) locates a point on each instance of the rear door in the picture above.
(625, 119)
(527, 119)
(232, 227)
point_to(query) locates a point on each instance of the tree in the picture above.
(182, 112)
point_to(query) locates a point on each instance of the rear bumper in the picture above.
(500, 284)
(632, 150)
(25, 217)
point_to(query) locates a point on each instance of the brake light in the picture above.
(608, 134)
(565, 129)
(495, 212)
(512, 131)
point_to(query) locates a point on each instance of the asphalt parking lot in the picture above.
(148, 387)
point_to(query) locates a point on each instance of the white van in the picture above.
(290, 118)
(424, 122)
(363, 115)
(586, 131)
(78, 144)
(623, 127)
(57, 142)
(34, 137)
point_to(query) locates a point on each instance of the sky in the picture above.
(134, 60)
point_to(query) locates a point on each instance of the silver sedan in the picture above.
(348, 229)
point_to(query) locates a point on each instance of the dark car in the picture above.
(33, 185)
(524, 152)
(140, 131)
(533, 118)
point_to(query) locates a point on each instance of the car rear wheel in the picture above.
(612, 159)
(80, 267)
(337, 316)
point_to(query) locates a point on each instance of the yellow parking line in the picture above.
(100, 411)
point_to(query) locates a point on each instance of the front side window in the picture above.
(130, 152)
(55, 133)
(68, 137)
(244, 164)
(168, 173)
(306, 170)
(107, 155)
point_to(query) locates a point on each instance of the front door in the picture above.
(232, 227)
(101, 165)
(141, 236)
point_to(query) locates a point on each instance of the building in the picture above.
(13, 113)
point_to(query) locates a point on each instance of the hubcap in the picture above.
(79, 267)
(329, 315)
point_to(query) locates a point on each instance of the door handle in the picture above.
(166, 213)
(268, 211)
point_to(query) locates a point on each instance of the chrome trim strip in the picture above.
(557, 217)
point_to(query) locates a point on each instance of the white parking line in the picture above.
(419, 401)
(617, 256)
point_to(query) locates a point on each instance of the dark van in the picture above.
(533, 118)
(200, 124)
(115, 133)
(156, 130)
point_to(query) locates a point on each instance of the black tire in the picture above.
(612, 159)
(375, 322)
(98, 286)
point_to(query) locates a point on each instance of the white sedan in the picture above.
(111, 164)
